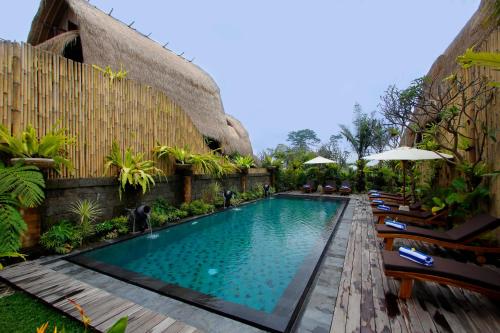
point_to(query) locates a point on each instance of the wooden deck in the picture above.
(102, 307)
(367, 300)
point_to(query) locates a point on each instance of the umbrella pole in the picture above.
(404, 183)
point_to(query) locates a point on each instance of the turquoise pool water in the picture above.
(247, 255)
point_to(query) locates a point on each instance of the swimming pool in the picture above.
(252, 263)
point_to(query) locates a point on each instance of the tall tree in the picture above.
(333, 151)
(397, 107)
(361, 137)
(303, 139)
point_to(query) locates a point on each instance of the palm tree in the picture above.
(361, 139)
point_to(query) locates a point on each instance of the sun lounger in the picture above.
(468, 276)
(309, 187)
(375, 202)
(457, 238)
(345, 188)
(422, 218)
(329, 188)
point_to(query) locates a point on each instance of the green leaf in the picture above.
(459, 184)
(120, 326)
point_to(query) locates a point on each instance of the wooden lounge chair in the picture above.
(329, 188)
(446, 271)
(345, 188)
(422, 218)
(457, 238)
(417, 206)
(308, 187)
(392, 198)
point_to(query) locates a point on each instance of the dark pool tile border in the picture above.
(281, 320)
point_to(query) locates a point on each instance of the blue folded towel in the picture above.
(395, 224)
(345, 187)
(372, 191)
(378, 201)
(384, 207)
(416, 256)
(375, 194)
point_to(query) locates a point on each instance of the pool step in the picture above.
(55, 289)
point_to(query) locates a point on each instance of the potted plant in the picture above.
(243, 164)
(49, 151)
(135, 175)
(272, 165)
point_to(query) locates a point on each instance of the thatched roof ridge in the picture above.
(107, 41)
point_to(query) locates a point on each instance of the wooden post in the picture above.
(243, 180)
(187, 188)
(405, 288)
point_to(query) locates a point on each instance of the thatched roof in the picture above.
(478, 28)
(107, 41)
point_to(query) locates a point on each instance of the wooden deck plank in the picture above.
(163, 325)
(175, 328)
(127, 313)
(146, 322)
(340, 314)
(353, 323)
(367, 306)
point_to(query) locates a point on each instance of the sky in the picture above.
(286, 65)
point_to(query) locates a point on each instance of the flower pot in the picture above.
(42, 163)
(183, 169)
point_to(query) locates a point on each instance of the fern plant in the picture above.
(20, 186)
(29, 145)
(133, 169)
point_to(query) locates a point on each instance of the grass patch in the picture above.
(22, 313)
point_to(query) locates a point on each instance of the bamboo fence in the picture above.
(49, 92)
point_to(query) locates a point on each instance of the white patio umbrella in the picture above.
(319, 160)
(405, 154)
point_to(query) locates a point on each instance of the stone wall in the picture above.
(61, 193)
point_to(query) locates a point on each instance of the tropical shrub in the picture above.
(255, 193)
(62, 237)
(133, 169)
(243, 163)
(87, 211)
(163, 213)
(28, 145)
(112, 228)
(20, 186)
(460, 201)
(212, 193)
(269, 161)
(197, 207)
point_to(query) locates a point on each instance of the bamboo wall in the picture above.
(491, 44)
(49, 91)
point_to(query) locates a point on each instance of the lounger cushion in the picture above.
(445, 268)
(414, 231)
